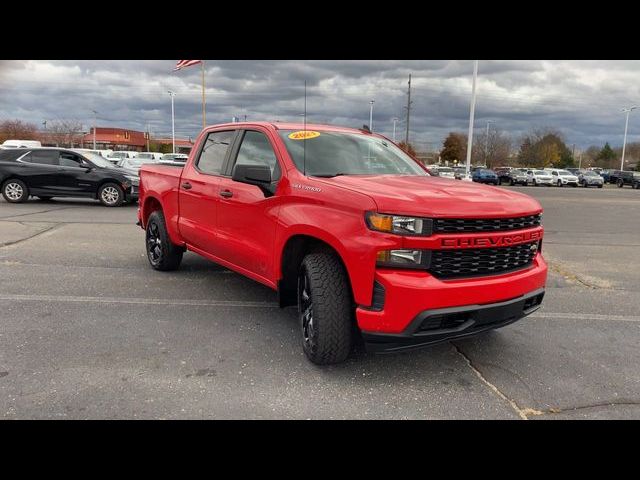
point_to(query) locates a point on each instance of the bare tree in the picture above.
(494, 150)
(17, 130)
(65, 133)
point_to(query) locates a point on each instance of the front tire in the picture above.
(324, 309)
(620, 183)
(162, 254)
(15, 191)
(111, 195)
(560, 183)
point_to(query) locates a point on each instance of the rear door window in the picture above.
(43, 157)
(214, 152)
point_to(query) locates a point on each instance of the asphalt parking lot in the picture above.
(89, 330)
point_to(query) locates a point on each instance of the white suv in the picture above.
(539, 177)
(563, 177)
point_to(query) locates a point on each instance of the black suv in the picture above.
(629, 178)
(513, 176)
(613, 176)
(59, 172)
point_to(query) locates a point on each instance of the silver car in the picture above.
(589, 178)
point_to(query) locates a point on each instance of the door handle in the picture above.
(186, 186)
(226, 193)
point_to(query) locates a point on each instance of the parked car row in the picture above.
(59, 172)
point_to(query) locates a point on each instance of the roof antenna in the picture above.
(304, 135)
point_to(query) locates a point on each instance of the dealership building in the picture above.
(123, 139)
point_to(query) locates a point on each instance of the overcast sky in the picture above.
(580, 98)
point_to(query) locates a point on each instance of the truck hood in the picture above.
(437, 197)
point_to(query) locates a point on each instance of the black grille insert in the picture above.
(458, 225)
(483, 261)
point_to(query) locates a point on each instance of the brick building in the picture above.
(122, 139)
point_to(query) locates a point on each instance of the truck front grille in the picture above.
(460, 225)
(447, 264)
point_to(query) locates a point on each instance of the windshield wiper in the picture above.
(328, 175)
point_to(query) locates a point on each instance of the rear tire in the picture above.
(111, 195)
(620, 183)
(325, 309)
(15, 191)
(162, 254)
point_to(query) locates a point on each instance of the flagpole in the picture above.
(204, 101)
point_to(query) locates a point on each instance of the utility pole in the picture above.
(148, 136)
(626, 125)
(95, 119)
(204, 105)
(406, 136)
(394, 119)
(471, 117)
(486, 145)
(173, 122)
(371, 115)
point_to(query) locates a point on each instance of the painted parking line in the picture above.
(136, 301)
(585, 316)
(249, 304)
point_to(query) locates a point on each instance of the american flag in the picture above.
(186, 63)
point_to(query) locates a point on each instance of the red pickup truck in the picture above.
(354, 231)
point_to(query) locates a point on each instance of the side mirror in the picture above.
(259, 175)
(86, 165)
(252, 174)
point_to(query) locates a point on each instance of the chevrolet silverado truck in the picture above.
(355, 232)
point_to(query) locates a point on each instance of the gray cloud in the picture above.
(580, 98)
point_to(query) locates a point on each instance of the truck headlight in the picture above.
(407, 258)
(398, 224)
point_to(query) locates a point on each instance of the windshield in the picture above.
(96, 159)
(339, 153)
(132, 162)
(540, 172)
(564, 172)
(445, 169)
(119, 154)
(145, 155)
(590, 174)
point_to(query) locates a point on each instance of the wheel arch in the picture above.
(151, 204)
(293, 252)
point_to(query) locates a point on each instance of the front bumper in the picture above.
(407, 294)
(439, 325)
(133, 193)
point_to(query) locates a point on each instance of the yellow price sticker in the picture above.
(303, 135)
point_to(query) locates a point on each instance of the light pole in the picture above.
(371, 115)
(626, 125)
(471, 117)
(486, 145)
(173, 122)
(395, 120)
(95, 119)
